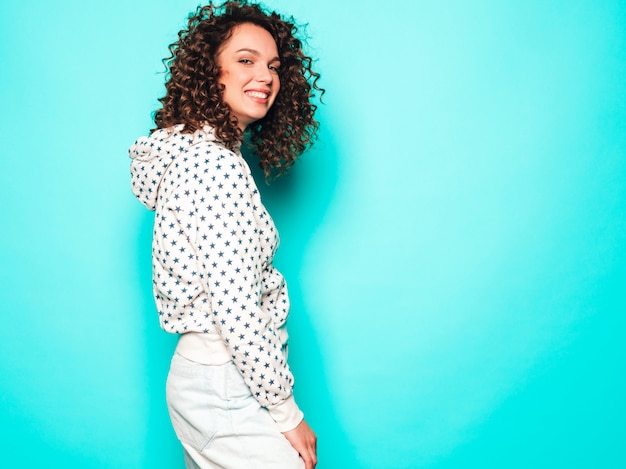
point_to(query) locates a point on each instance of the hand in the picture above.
(304, 441)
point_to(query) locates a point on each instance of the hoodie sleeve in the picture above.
(216, 211)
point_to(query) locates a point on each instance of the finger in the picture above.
(309, 458)
(312, 457)
(313, 449)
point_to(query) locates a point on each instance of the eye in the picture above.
(274, 68)
(245, 61)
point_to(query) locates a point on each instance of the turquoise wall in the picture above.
(455, 243)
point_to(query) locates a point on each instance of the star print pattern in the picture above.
(213, 247)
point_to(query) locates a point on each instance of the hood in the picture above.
(152, 155)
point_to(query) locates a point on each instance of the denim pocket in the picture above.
(194, 418)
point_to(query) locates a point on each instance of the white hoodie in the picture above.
(212, 251)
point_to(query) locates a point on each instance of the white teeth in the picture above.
(257, 94)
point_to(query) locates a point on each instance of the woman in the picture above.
(235, 71)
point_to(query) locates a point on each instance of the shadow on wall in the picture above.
(298, 203)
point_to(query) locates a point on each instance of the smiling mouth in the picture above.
(258, 94)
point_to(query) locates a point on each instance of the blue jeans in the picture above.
(219, 423)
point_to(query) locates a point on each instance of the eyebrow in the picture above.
(256, 52)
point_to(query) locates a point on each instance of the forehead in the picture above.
(253, 37)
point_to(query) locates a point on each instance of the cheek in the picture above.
(277, 87)
(230, 77)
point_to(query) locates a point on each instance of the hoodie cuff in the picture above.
(287, 414)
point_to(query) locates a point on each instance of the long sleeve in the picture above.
(215, 229)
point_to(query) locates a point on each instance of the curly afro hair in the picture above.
(193, 94)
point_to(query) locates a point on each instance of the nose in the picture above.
(264, 75)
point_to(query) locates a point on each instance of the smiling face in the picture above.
(249, 65)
